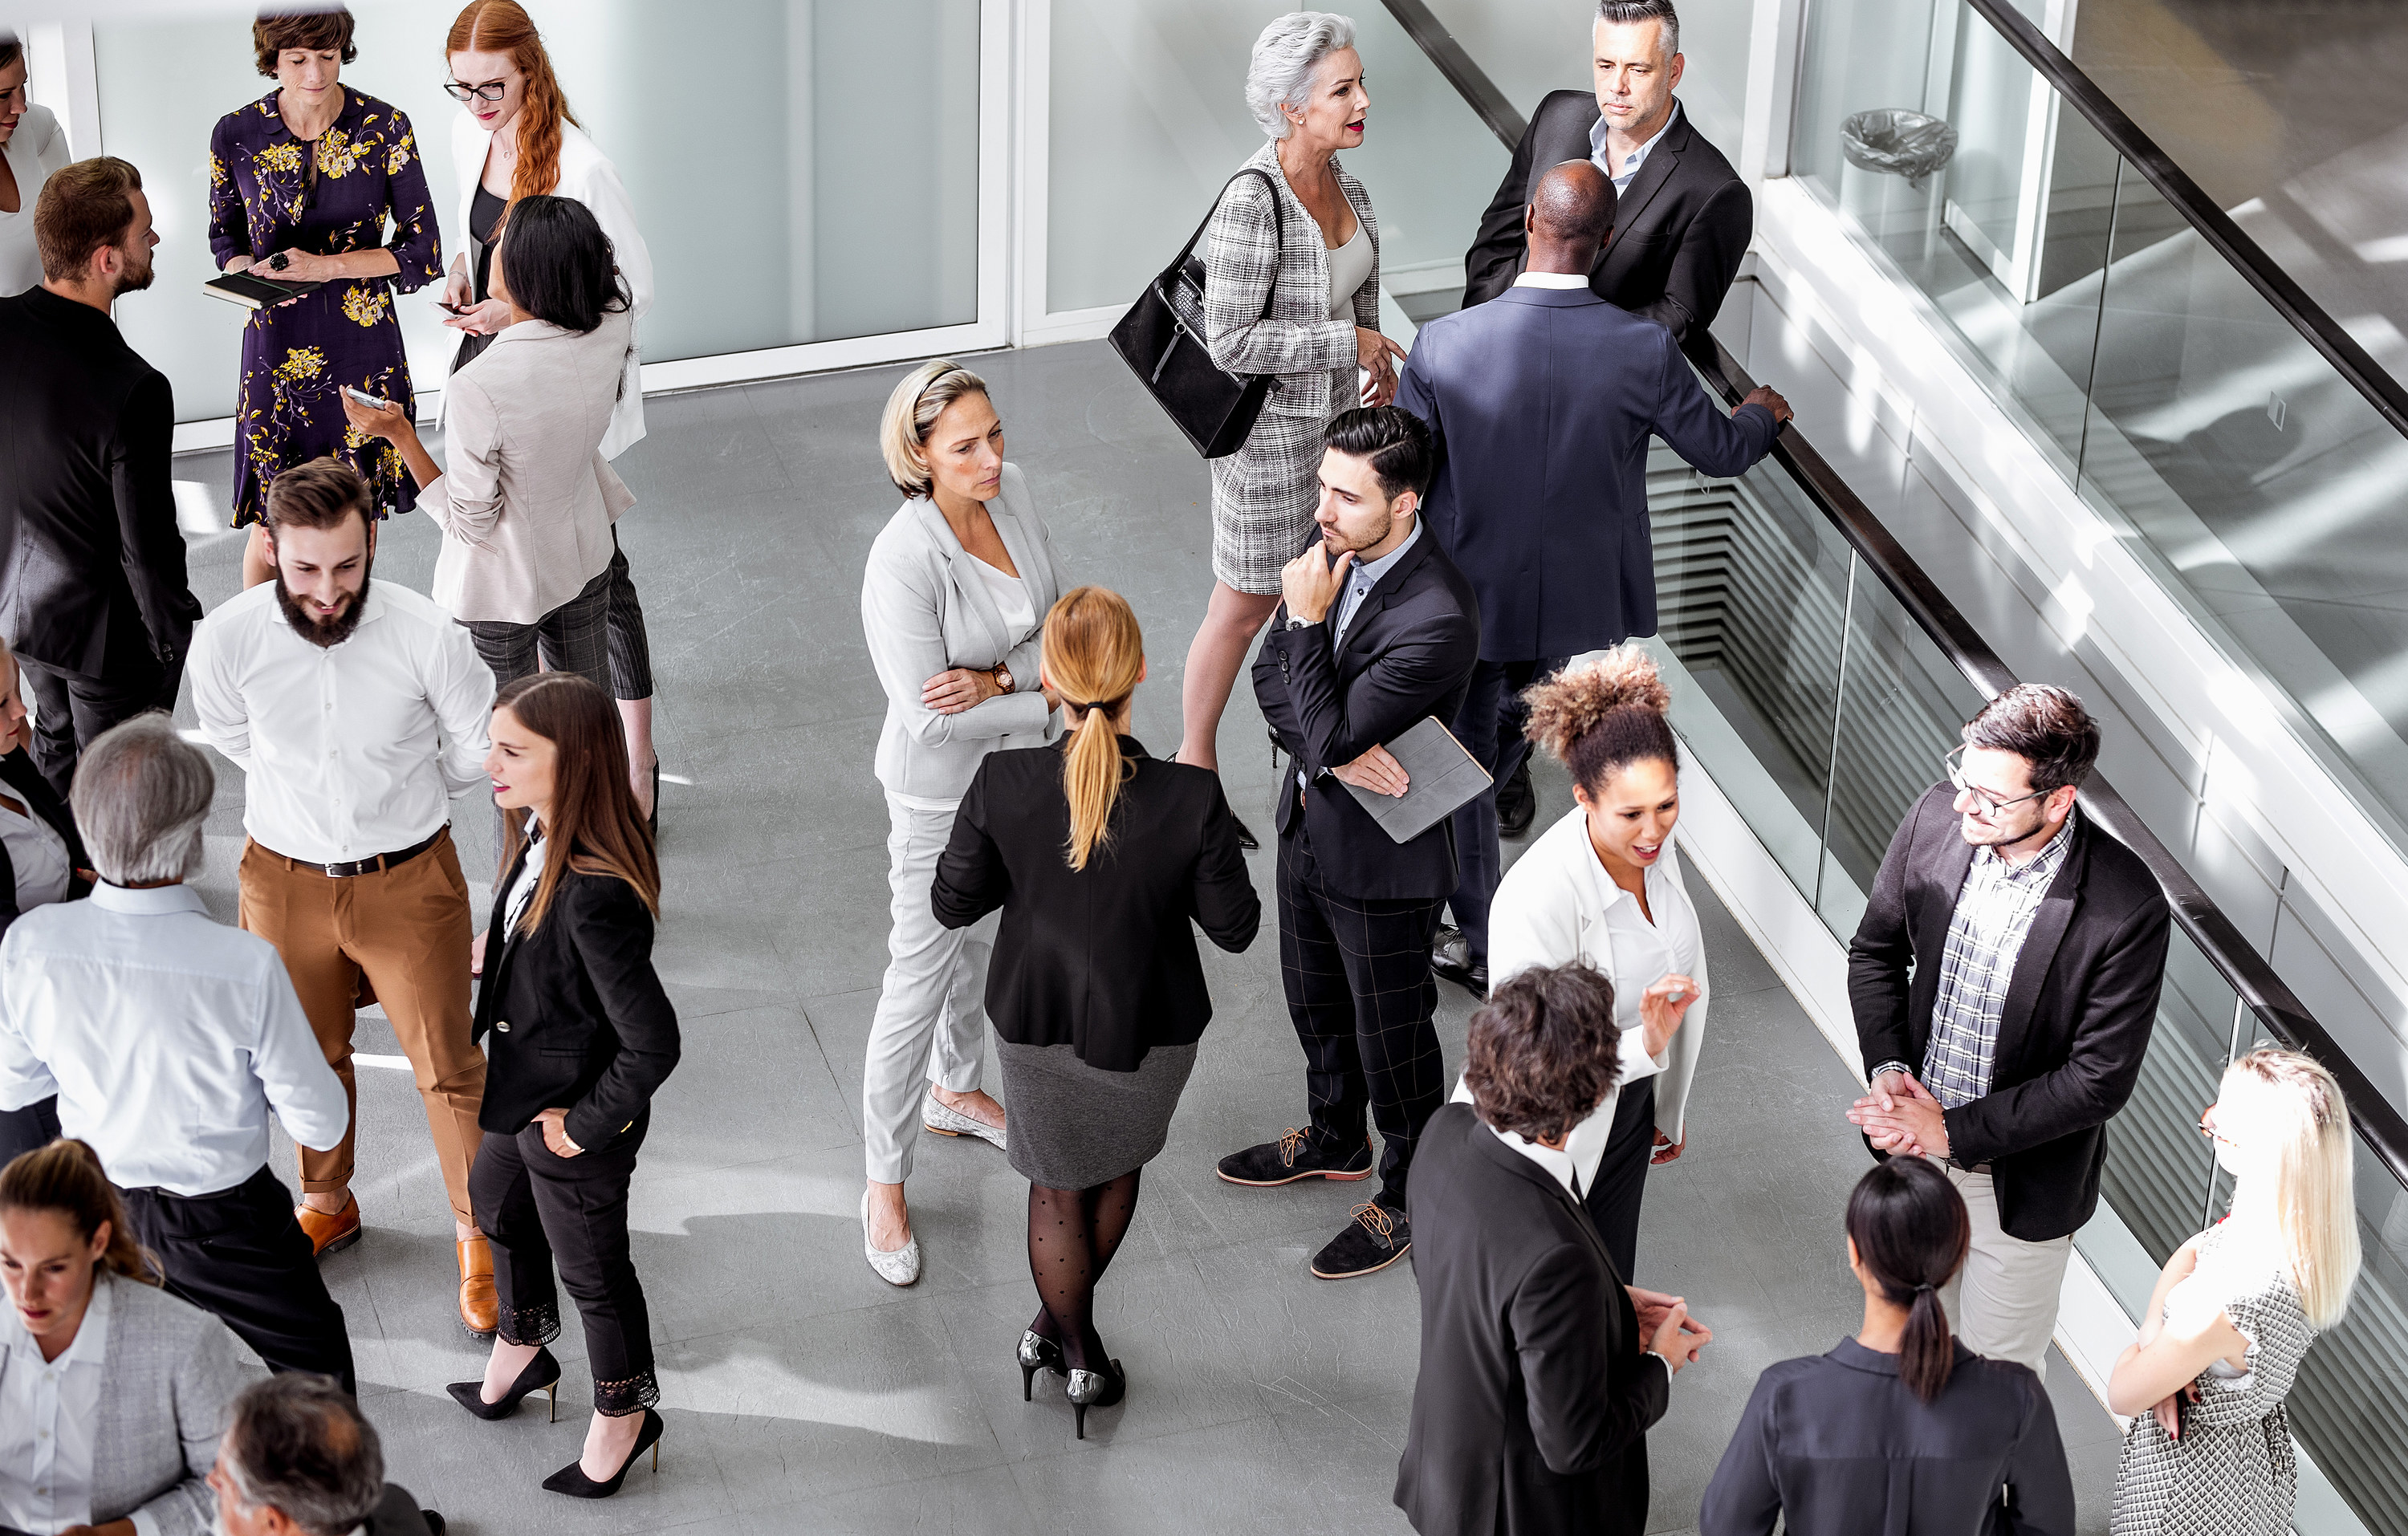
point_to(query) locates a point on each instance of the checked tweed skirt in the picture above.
(1265, 494)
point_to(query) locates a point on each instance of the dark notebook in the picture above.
(253, 292)
(1440, 777)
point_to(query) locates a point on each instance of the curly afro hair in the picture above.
(1600, 719)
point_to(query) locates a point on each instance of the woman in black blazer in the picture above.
(578, 1036)
(41, 861)
(1899, 1429)
(1100, 855)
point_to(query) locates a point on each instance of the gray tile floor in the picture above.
(801, 1392)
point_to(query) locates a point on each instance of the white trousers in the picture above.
(931, 1020)
(2004, 1302)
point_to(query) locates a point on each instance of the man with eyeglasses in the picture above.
(2004, 982)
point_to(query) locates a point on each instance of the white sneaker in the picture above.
(945, 1122)
(899, 1267)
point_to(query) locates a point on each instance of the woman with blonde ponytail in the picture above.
(1099, 857)
(2208, 1452)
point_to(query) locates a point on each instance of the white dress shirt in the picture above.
(48, 1412)
(352, 750)
(169, 1038)
(1627, 171)
(37, 855)
(1552, 279)
(523, 889)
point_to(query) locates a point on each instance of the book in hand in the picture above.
(253, 292)
(1441, 778)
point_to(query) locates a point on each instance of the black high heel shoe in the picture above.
(542, 1374)
(1096, 1389)
(572, 1481)
(1038, 1353)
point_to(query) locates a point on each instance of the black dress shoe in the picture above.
(1517, 802)
(1293, 1156)
(1451, 961)
(1378, 1237)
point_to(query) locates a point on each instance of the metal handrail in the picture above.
(2277, 1007)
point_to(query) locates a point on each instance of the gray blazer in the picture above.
(925, 609)
(1252, 252)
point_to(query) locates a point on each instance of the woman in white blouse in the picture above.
(41, 861)
(31, 145)
(1603, 886)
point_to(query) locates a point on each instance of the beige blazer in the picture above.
(526, 499)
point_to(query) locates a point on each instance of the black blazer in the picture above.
(1531, 1412)
(572, 1013)
(2080, 1006)
(1835, 1445)
(1100, 958)
(1678, 233)
(24, 782)
(92, 566)
(1409, 654)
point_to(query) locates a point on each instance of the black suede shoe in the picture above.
(1517, 802)
(1293, 1157)
(1451, 961)
(1378, 1237)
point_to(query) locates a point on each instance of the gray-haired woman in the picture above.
(1291, 288)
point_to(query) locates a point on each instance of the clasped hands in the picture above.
(1899, 1116)
(1669, 1331)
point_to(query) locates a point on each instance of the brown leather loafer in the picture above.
(481, 1310)
(330, 1234)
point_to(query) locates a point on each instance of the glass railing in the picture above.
(2245, 443)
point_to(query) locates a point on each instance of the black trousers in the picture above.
(73, 708)
(535, 1206)
(29, 1129)
(1489, 724)
(1621, 1183)
(1357, 979)
(240, 1255)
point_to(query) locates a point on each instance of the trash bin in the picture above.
(1892, 155)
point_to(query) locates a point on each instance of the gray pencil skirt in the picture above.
(1265, 494)
(1074, 1127)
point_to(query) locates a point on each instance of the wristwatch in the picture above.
(1295, 623)
(1002, 676)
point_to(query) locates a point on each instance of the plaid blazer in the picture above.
(1246, 258)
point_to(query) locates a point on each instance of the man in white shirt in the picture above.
(168, 1038)
(357, 709)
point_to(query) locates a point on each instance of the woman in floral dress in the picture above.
(313, 173)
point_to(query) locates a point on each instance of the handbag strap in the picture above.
(1279, 225)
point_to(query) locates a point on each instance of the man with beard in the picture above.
(93, 595)
(357, 709)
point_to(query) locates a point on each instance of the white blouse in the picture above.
(1011, 594)
(37, 855)
(35, 151)
(48, 1413)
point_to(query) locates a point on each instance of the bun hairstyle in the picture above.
(1911, 1233)
(1598, 719)
(66, 1177)
(503, 26)
(1094, 652)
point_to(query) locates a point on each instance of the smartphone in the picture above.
(450, 308)
(367, 399)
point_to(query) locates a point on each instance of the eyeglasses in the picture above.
(1991, 804)
(490, 91)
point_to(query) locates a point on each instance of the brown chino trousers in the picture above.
(406, 931)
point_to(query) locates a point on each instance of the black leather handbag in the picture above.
(1162, 341)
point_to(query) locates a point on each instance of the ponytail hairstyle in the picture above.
(1911, 1233)
(1094, 652)
(66, 1177)
(1600, 719)
(503, 26)
(593, 828)
(2290, 1106)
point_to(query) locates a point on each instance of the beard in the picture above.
(326, 633)
(131, 282)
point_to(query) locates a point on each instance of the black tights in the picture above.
(1072, 1235)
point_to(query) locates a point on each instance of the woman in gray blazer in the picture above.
(952, 605)
(1291, 288)
(116, 1390)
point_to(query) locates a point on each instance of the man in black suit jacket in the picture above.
(92, 592)
(1541, 1369)
(1685, 216)
(2004, 982)
(1378, 632)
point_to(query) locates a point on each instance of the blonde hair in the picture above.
(1094, 652)
(912, 412)
(2297, 1107)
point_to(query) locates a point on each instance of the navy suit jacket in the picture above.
(1541, 402)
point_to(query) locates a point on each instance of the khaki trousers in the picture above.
(406, 931)
(2004, 1302)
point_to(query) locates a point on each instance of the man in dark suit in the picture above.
(1541, 1369)
(93, 592)
(2004, 982)
(1540, 408)
(1378, 631)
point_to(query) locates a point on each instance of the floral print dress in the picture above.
(267, 196)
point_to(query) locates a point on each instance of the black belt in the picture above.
(367, 866)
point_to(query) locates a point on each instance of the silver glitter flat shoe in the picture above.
(899, 1267)
(945, 1122)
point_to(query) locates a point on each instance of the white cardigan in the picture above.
(587, 175)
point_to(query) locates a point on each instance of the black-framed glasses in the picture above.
(490, 91)
(1991, 804)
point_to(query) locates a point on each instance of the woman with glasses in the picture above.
(303, 183)
(2222, 1339)
(518, 138)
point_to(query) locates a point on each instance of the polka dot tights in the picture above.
(1072, 1235)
